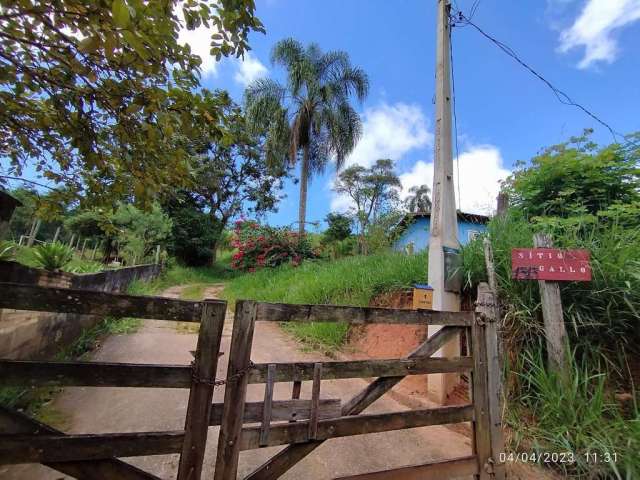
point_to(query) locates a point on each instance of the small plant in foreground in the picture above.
(7, 250)
(52, 256)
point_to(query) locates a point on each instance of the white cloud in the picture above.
(481, 170)
(249, 70)
(390, 131)
(200, 42)
(594, 29)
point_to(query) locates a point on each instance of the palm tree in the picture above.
(418, 201)
(310, 115)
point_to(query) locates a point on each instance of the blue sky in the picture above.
(588, 48)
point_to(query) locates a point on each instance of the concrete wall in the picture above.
(418, 234)
(39, 335)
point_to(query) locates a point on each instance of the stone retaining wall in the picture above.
(39, 335)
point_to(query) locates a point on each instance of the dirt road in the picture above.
(98, 410)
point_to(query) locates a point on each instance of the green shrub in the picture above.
(52, 256)
(7, 250)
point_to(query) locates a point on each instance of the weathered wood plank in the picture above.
(281, 410)
(235, 391)
(88, 302)
(480, 399)
(199, 407)
(65, 448)
(15, 422)
(93, 374)
(554, 328)
(401, 367)
(277, 465)
(280, 312)
(286, 433)
(268, 403)
(487, 305)
(315, 401)
(445, 469)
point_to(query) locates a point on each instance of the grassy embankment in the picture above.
(347, 281)
(584, 415)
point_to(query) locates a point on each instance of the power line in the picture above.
(560, 95)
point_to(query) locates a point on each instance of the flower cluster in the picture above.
(261, 246)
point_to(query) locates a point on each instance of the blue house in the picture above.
(414, 229)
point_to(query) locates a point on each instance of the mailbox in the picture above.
(422, 297)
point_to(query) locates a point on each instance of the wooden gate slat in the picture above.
(356, 425)
(284, 312)
(15, 422)
(65, 448)
(315, 401)
(394, 367)
(268, 403)
(281, 410)
(89, 302)
(93, 374)
(235, 391)
(288, 457)
(199, 407)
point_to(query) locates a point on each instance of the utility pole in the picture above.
(444, 222)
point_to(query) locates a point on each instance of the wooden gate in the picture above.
(308, 423)
(302, 437)
(94, 456)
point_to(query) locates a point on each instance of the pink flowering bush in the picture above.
(261, 246)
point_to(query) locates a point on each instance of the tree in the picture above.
(338, 227)
(575, 178)
(312, 114)
(418, 200)
(232, 176)
(127, 230)
(372, 190)
(194, 231)
(100, 96)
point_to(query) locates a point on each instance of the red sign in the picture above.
(550, 264)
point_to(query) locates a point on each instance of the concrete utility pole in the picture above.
(444, 224)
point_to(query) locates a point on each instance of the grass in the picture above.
(601, 317)
(347, 281)
(181, 275)
(193, 292)
(577, 415)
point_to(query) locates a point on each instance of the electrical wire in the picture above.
(459, 19)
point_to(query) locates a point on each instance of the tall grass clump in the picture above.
(575, 414)
(346, 281)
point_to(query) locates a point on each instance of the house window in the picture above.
(473, 234)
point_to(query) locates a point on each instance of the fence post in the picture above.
(487, 317)
(73, 237)
(554, 329)
(34, 233)
(95, 248)
(235, 391)
(84, 245)
(205, 365)
(56, 235)
(157, 259)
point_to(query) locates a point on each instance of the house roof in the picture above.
(409, 218)
(462, 217)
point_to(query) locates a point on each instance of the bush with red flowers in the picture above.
(260, 246)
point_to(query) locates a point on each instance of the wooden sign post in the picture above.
(549, 266)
